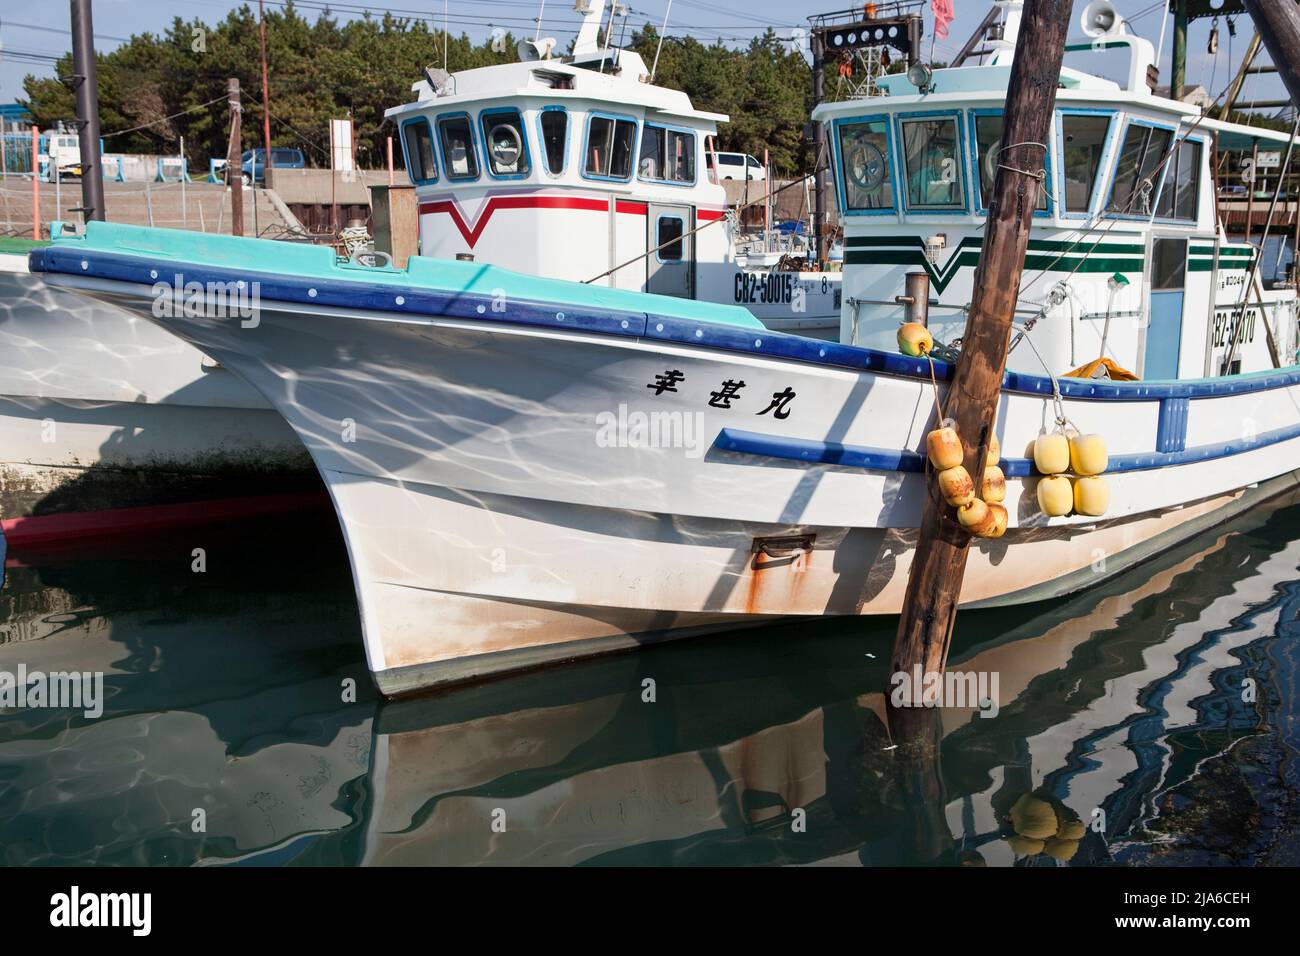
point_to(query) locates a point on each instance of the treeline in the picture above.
(156, 89)
(318, 71)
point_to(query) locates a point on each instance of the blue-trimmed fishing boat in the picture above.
(529, 469)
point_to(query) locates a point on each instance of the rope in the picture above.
(1040, 174)
(1057, 400)
(934, 383)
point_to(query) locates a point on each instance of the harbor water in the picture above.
(1156, 715)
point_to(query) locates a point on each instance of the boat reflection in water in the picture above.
(1123, 712)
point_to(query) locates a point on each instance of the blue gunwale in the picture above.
(465, 290)
(812, 451)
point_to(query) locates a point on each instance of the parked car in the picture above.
(253, 162)
(737, 166)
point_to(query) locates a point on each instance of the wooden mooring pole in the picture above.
(1279, 27)
(934, 582)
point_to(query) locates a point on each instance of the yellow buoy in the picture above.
(1062, 851)
(1055, 496)
(1000, 519)
(994, 453)
(994, 488)
(1088, 455)
(977, 518)
(944, 448)
(1033, 818)
(1071, 830)
(956, 486)
(1023, 846)
(914, 339)
(1052, 453)
(1091, 495)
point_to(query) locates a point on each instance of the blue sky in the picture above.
(30, 31)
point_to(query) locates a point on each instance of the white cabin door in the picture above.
(670, 266)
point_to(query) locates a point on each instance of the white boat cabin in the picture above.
(579, 168)
(1126, 259)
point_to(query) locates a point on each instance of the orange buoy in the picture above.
(914, 339)
(1055, 496)
(956, 486)
(995, 451)
(1052, 453)
(1000, 519)
(977, 518)
(1091, 495)
(994, 488)
(944, 448)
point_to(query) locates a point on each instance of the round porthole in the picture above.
(506, 146)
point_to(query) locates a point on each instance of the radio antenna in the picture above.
(661, 41)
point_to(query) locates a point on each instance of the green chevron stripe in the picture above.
(1223, 253)
(884, 250)
(977, 242)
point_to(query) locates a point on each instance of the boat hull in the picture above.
(101, 409)
(509, 498)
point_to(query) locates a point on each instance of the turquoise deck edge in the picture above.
(434, 275)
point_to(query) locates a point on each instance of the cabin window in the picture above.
(669, 239)
(1084, 140)
(932, 157)
(867, 183)
(1168, 264)
(609, 147)
(507, 150)
(457, 140)
(420, 164)
(1136, 174)
(1182, 184)
(988, 149)
(555, 137)
(667, 155)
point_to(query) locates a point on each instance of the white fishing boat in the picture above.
(100, 408)
(579, 167)
(529, 469)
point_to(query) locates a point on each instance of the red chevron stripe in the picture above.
(494, 203)
(471, 234)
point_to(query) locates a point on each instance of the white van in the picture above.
(737, 166)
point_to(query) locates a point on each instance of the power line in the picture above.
(34, 26)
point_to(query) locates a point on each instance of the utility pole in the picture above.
(85, 79)
(234, 167)
(1178, 63)
(939, 563)
(266, 98)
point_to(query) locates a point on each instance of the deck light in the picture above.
(920, 76)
